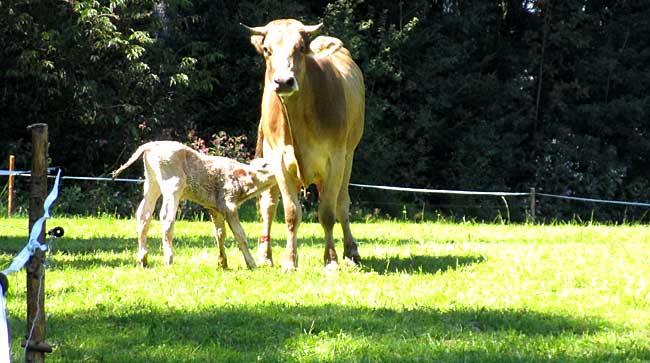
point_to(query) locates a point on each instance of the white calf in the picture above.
(219, 184)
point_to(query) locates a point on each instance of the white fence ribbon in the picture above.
(5, 347)
(33, 243)
(13, 172)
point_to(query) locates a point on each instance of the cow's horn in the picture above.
(311, 28)
(257, 30)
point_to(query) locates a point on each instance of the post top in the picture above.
(37, 126)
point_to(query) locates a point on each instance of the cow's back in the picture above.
(339, 93)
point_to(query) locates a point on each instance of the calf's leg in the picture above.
(220, 235)
(233, 221)
(143, 215)
(167, 218)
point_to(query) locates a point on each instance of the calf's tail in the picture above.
(136, 155)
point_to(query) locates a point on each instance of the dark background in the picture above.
(474, 95)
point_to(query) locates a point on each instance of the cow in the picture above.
(219, 184)
(312, 117)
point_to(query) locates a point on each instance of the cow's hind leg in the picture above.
(268, 207)
(143, 215)
(328, 194)
(220, 235)
(327, 218)
(350, 249)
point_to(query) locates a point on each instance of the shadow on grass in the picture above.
(88, 248)
(418, 264)
(280, 333)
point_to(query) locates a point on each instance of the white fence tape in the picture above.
(399, 189)
(501, 194)
(439, 191)
(592, 200)
(5, 346)
(33, 243)
(17, 264)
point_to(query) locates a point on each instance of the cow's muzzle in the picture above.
(285, 85)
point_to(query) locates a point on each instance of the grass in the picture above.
(431, 292)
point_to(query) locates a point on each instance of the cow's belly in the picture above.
(317, 164)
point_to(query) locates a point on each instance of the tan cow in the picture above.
(219, 184)
(312, 120)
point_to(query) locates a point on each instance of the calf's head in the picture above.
(283, 45)
(257, 177)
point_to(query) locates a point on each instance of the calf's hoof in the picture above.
(250, 262)
(143, 261)
(223, 264)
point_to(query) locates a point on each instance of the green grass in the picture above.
(432, 292)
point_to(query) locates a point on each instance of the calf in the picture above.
(219, 184)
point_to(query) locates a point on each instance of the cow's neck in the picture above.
(288, 115)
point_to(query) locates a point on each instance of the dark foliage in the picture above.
(502, 95)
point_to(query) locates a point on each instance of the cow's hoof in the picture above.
(352, 261)
(288, 266)
(142, 258)
(265, 262)
(169, 260)
(332, 266)
(353, 258)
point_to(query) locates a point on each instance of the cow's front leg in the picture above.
(233, 221)
(268, 207)
(286, 172)
(292, 218)
(219, 232)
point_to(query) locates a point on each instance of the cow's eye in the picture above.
(267, 50)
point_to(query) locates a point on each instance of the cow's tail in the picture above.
(136, 155)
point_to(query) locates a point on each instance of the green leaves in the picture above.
(451, 87)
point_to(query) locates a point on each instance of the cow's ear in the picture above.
(258, 43)
(239, 172)
(324, 45)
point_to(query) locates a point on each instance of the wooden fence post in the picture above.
(35, 346)
(10, 198)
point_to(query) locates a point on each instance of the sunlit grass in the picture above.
(431, 292)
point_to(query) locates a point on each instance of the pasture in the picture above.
(429, 292)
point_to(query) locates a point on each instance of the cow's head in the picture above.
(283, 43)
